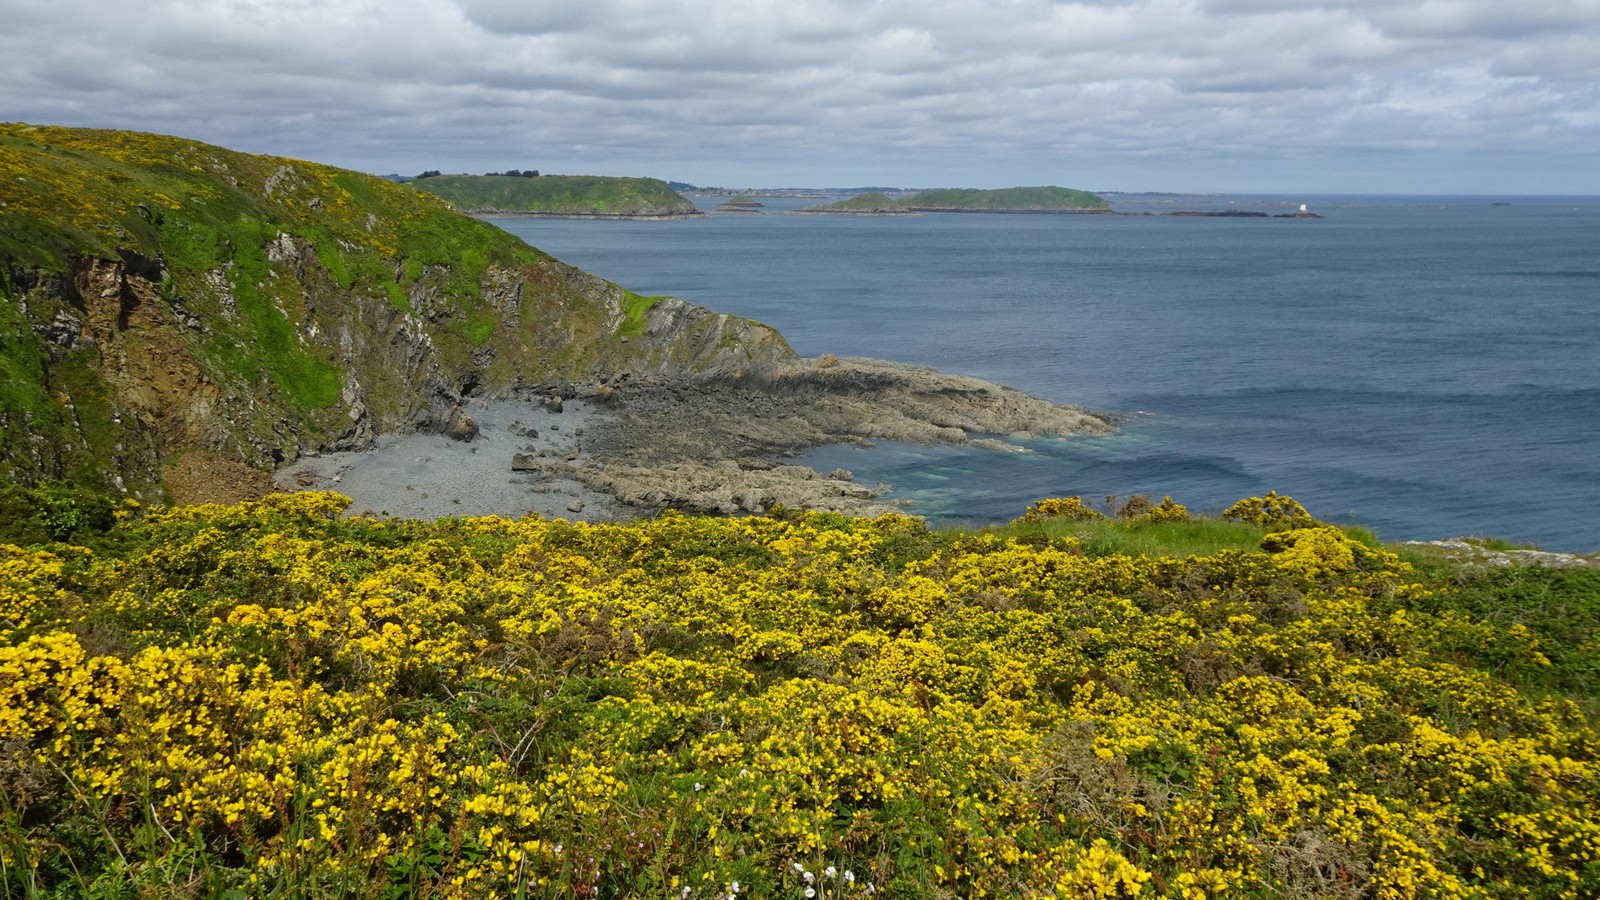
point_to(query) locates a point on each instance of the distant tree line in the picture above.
(509, 173)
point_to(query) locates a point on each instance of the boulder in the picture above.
(462, 427)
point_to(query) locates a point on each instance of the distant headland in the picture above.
(518, 193)
(1045, 199)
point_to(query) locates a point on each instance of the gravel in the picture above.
(429, 476)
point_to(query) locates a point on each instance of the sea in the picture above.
(1426, 367)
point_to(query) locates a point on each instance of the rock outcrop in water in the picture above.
(708, 446)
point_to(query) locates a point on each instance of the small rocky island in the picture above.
(1304, 212)
(741, 204)
(875, 203)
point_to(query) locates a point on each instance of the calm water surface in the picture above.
(1428, 367)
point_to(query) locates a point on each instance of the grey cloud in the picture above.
(1489, 19)
(1029, 87)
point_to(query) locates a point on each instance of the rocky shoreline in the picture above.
(717, 445)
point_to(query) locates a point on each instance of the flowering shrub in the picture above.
(1165, 511)
(1271, 511)
(1060, 508)
(272, 700)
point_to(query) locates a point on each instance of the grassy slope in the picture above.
(1018, 199)
(198, 209)
(563, 194)
(74, 191)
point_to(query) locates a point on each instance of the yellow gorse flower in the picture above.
(293, 701)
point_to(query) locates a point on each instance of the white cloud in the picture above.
(1146, 94)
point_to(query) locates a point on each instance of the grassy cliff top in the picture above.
(76, 192)
(1017, 199)
(576, 195)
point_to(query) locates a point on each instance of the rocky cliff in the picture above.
(160, 296)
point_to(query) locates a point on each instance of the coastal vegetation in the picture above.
(160, 295)
(566, 195)
(277, 700)
(872, 203)
(1017, 199)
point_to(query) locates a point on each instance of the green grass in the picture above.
(635, 308)
(1104, 537)
(478, 329)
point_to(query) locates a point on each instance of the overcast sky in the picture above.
(1315, 96)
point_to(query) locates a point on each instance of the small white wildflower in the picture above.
(811, 892)
(831, 872)
(849, 877)
(799, 868)
(698, 786)
(733, 888)
(684, 892)
(808, 877)
(558, 848)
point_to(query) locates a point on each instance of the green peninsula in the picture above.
(595, 196)
(875, 203)
(1048, 199)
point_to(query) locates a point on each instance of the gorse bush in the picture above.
(271, 700)
(1271, 511)
(1072, 508)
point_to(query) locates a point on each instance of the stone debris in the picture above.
(1476, 554)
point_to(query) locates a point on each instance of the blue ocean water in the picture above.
(1429, 367)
